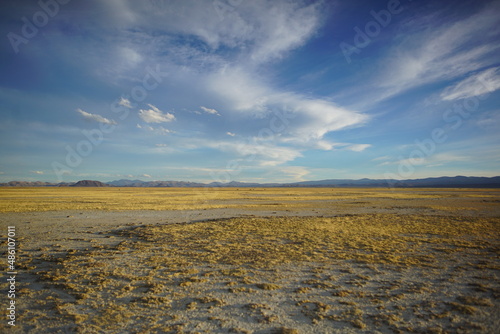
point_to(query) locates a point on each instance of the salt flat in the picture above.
(255, 260)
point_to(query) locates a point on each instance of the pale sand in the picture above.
(91, 272)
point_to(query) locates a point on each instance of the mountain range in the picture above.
(436, 182)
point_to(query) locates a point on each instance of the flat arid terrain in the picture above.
(241, 260)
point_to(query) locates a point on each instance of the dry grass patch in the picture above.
(268, 286)
(284, 330)
(266, 242)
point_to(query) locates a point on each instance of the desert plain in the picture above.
(252, 260)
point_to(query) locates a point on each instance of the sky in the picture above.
(249, 91)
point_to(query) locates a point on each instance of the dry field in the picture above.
(159, 199)
(134, 260)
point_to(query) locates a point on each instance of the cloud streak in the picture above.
(95, 117)
(210, 111)
(475, 85)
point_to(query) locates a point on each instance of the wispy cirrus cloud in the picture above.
(265, 30)
(476, 84)
(450, 50)
(95, 117)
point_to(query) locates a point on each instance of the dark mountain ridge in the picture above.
(434, 182)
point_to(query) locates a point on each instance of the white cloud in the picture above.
(283, 27)
(253, 152)
(385, 163)
(296, 173)
(230, 134)
(358, 147)
(310, 119)
(158, 130)
(129, 56)
(477, 84)
(155, 115)
(315, 118)
(38, 172)
(324, 145)
(265, 155)
(237, 87)
(95, 117)
(448, 157)
(146, 176)
(125, 103)
(210, 111)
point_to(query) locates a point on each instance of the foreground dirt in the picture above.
(391, 266)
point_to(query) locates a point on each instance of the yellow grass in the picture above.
(121, 199)
(403, 240)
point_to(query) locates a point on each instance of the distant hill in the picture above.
(89, 183)
(139, 183)
(126, 183)
(435, 182)
(28, 184)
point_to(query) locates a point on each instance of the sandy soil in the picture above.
(111, 272)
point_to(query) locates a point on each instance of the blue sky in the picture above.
(256, 91)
